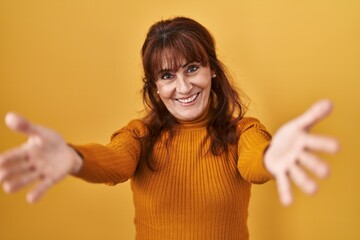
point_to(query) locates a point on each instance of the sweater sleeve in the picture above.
(115, 162)
(253, 142)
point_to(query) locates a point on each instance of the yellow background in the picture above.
(75, 66)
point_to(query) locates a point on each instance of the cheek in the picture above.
(204, 83)
(165, 91)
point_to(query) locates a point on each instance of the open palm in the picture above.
(44, 158)
(293, 148)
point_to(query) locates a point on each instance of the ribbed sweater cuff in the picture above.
(251, 165)
(263, 172)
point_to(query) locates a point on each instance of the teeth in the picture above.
(187, 100)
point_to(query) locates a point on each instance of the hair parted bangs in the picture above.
(172, 51)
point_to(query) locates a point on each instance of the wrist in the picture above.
(77, 161)
(266, 160)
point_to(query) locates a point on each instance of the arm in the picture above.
(253, 142)
(45, 158)
(117, 161)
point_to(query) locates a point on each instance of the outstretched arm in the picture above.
(44, 158)
(292, 151)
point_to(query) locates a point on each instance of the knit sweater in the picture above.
(192, 194)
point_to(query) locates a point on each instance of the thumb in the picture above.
(20, 124)
(315, 113)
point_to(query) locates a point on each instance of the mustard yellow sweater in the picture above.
(193, 194)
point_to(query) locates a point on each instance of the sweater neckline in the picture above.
(201, 121)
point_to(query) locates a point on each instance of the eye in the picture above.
(166, 76)
(192, 68)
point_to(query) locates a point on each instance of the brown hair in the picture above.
(175, 41)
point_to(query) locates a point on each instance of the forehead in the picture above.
(169, 62)
(172, 64)
(171, 58)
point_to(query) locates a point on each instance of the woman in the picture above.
(192, 158)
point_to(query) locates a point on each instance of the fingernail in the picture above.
(312, 188)
(7, 187)
(286, 201)
(30, 198)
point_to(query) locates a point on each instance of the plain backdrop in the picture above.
(75, 66)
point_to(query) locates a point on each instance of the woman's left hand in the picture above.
(292, 151)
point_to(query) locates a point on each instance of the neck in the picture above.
(200, 120)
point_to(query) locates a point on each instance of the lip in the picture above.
(189, 100)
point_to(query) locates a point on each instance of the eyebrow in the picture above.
(169, 70)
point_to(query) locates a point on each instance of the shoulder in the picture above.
(137, 128)
(250, 123)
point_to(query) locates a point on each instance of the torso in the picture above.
(192, 194)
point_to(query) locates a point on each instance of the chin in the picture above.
(190, 116)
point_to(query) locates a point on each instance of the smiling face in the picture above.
(185, 91)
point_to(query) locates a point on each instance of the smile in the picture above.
(186, 101)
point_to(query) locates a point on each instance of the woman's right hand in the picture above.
(44, 159)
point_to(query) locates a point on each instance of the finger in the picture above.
(284, 190)
(39, 190)
(20, 124)
(14, 170)
(314, 164)
(12, 156)
(314, 114)
(14, 184)
(299, 177)
(322, 144)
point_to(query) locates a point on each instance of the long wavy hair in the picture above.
(175, 41)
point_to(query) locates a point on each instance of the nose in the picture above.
(183, 85)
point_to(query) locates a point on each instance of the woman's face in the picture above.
(185, 91)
